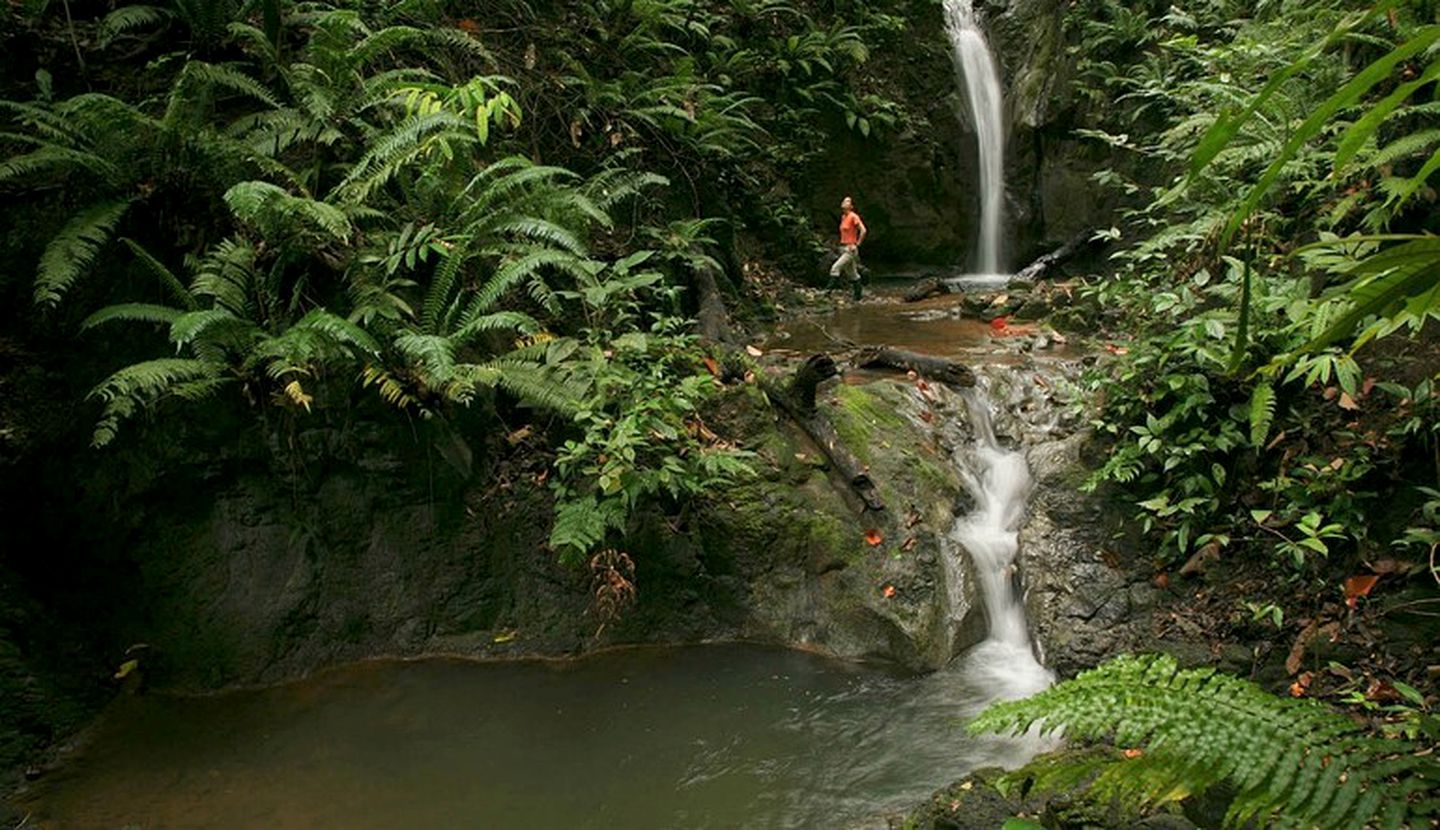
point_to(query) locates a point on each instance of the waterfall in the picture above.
(976, 72)
(998, 480)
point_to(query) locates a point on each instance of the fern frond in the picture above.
(143, 384)
(131, 313)
(498, 321)
(199, 75)
(1291, 762)
(541, 230)
(127, 19)
(226, 273)
(272, 211)
(74, 248)
(1262, 413)
(516, 271)
(54, 160)
(167, 277)
(433, 354)
(340, 331)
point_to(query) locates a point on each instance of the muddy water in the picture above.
(719, 736)
(936, 326)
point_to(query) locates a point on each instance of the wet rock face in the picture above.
(822, 573)
(1081, 608)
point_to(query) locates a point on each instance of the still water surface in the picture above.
(702, 737)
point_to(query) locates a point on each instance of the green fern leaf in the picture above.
(1262, 413)
(74, 248)
(1290, 762)
(132, 313)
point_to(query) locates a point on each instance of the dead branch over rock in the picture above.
(940, 369)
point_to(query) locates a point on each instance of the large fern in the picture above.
(1290, 763)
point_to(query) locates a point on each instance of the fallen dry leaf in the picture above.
(888, 591)
(1359, 586)
(1302, 684)
(1347, 402)
(711, 365)
(873, 537)
(999, 323)
(909, 544)
(1132, 753)
(753, 352)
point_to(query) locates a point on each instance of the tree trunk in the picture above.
(1041, 266)
(798, 401)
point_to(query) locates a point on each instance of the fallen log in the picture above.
(925, 289)
(797, 399)
(1038, 269)
(935, 368)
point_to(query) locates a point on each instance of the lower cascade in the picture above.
(1004, 666)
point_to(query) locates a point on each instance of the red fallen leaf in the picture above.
(1359, 586)
(1302, 684)
(467, 25)
(1381, 691)
(888, 591)
(999, 323)
(1162, 581)
(873, 537)
(927, 416)
(711, 365)
(1366, 386)
(1330, 393)
(1132, 753)
(1114, 349)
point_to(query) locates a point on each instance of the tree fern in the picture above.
(1291, 762)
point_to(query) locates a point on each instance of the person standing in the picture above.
(852, 234)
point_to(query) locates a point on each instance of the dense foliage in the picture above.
(312, 208)
(1178, 733)
(1277, 289)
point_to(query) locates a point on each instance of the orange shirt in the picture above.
(850, 225)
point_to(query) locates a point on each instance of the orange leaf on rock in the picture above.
(1302, 684)
(888, 591)
(873, 537)
(1359, 586)
(999, 323)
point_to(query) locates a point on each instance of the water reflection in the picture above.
(720, 736)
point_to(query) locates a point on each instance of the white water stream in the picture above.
(977, 74)
(1004, 666)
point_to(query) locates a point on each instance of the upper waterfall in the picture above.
(977, 74)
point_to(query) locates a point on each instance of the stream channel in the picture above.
(683, 737)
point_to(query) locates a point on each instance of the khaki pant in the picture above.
(848, 263)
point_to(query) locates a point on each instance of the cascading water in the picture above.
(1004, 666)
(976, 72)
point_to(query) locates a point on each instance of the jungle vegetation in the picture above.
(261, 217)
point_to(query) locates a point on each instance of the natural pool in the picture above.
(696, 737)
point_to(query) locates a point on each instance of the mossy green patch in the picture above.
(861, 414)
